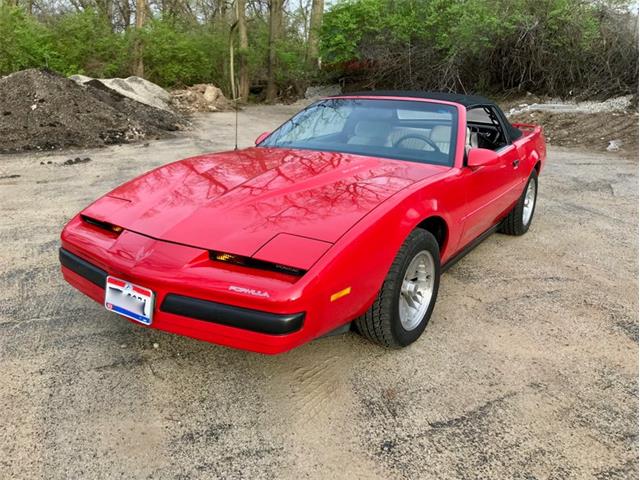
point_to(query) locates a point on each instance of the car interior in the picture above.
(416, 137)
(394, 133)
(389, 129)
(484, 129)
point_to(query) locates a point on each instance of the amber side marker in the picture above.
(103, 225)
(254, 263)
(342, 293)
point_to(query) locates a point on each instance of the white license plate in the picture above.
(130, 300)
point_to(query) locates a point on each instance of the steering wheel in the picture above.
(415, 136)
(490, 137)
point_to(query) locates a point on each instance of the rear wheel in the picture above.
(519, 219)
(404, 304)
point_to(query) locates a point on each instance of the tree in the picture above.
(313, 40)
(275, 31)
(124, 10)
(138, 47)
(243, 84)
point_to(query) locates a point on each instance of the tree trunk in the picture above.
(232, 58)
(125, 13)
(243, 84)
(105, 7)
(275, 27)
(138, 47)
(315, 23)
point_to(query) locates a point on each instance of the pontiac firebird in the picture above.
(346, 215)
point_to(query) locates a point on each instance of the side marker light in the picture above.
(342, 293)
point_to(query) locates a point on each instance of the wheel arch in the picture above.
(537, 167)
(436, 226)
(534, 162)
(375, 241)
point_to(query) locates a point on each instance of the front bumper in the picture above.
(81, 267)
(193, 296)
(196, 308)
(244, 318)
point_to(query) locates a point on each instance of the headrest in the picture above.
(441, 133)
(472, 139)
(371, 128)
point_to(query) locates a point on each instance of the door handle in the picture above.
(516, 163)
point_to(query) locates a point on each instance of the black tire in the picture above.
(513, 224)
(381, 323)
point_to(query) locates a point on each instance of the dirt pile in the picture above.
(135, 88)
(203, 97)
(592, 131)
(41, 110)
(609, 125)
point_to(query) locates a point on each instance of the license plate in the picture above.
(129, 300)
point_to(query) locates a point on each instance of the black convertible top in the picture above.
(468, 101)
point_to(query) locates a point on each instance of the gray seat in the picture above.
(371, 132)
(471, 140)
(412, 143)
(441, 136)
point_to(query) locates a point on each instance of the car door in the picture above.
(491, 190)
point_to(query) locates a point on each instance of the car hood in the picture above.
(237, 201)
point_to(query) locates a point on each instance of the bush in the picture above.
(552, 47)
(556, 47)
(84, 43)
(25, 42)
(178, 53)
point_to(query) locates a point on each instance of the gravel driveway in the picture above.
(528, 368)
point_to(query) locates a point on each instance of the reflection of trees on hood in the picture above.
(276, 185)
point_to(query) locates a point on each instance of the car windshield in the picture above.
(416, 131)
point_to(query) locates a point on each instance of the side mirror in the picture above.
(480, 157)
(261, 137)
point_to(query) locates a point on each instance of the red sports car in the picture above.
(347, 213)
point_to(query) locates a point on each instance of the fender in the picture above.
(361, 259)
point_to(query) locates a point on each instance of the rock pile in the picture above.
(135, 88)
(203, 97)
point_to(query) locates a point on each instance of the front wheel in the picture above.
(520, 217)
(404, 304)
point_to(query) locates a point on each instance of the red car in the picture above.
(348, 212)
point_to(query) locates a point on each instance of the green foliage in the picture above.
(348, 23)
(25, 42)
(552, 46)
(178, 53)
(548, 46)
(84, 43)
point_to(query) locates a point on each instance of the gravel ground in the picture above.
(528, 368)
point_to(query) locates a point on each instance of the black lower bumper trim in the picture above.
(83, 268)
(247, 319)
